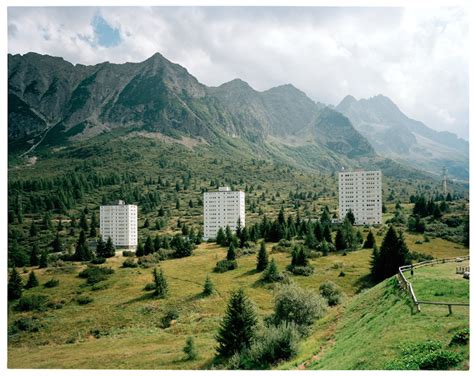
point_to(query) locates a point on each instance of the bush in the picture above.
(225, 265)
(342, 274)
(419, 256)
(51, 283)
(271, 273)
(440, 360)
(128, 254)
(331, 292)
(84, 299)
(25, 324)
(170, 315)
(129, 263)
(148, 260)
(98, 260)
(190, 349)
(149, 286)
(95, 274)
(460, 338)
(295, 304)
(301, 270)
(274, 344)
(32, 303)
(165, 254)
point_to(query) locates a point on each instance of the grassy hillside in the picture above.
(121, 327)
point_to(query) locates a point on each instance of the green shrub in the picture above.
(84, 299)
(148, 261)
(170, 315)
(460, 338)
(301, 270)
(225, 265)
(331, 292)
(271, 273)
(25, 324)
(129, 263)
(128, 254)
(95, 274)
(51, 283)
(440, 360)
(98, 260)
(32, 303)
(149, 286)
(189, 349)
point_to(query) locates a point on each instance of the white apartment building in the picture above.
(223, 208)
(119, 222)
(361, 192)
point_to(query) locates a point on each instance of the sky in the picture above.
(419, 57)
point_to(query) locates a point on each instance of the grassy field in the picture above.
(121, 327)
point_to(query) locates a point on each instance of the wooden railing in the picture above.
(407, 286)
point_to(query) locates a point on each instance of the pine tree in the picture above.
(161, 285)
(34, 258)
(32, 281)
(57, 244)
(146, 224)
(238, 328)
(148, 246)
(100, 247)
(94, 225)
(231, 252)
(220, 238)
(327, 233)
(33, 229)
(109, 250)
(271, 273)
(208, 287)
(43, 262)
(15, 285)
(262, 258)
(83, 222)
(340, 241)
(140, 250)
(350, 217)
(324, 248)
(190, 349)
(370, 241)
(83, 252)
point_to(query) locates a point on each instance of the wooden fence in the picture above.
(407, 286)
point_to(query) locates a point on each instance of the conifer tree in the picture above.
(43, 262)
(340, 241)
(231, 252)
(83, 252)
(324, 248)
(350, 217)
(100, 247)
(34, 257)
(32, 281)
(148, 246)
(238, 328)
(327, 233)
(262, 258)
(15, 285)
(83, 222)
(146, 224)
(208, 287)
(109, 248)
(57, 245)
(370, 241)
(94, 225)
(220, 238)
(318, 231)
(140, 250)
(161, 285)
(33, 229)
(190, 349)
(271, 273)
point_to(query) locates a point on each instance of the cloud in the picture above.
(417, 57)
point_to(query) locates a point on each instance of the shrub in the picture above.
(149, 286)
(271, 273)
(32, 281)
(148, 260)
(98, 260)
(440, 360)
(295, 304)
(128, 254)
(129, 263)
(225, 265)
(84, 299)
(208, 287)
(95, 274)
(165, 253)
(273, 344)
(331, 292)
(170, 315)
(342, 274)
(32, 303)
(301, 270)
(51, 283)
(25, 324)
(460, 338)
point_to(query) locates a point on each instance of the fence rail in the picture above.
(406, 285)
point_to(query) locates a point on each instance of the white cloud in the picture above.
(417, 57)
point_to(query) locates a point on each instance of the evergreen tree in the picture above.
(100, 247)
(161, 285)
(325, 217)
(271, 273)
(238, 328)
(208, 287)
(47, 220)
(15, 285)
(350, 217)
(370, 241)
(327, 233)
(374, 262)
(83, 222)
(262, 258)
(94, 225)
(57, 244)
(34, 258)
(146, 224)
(318, 231)
(324, 248)
(228, 236)
(33, 229)
(60, 226)
(359, 238)
(190, 349)
(148, 246)
(83, 252)
(43, 262)
(109, 250)
(157, 243)
(349, 236)
(310, 240)
(465, 232)
(393, 254)
(220, 238)
(183, 248)
(32, 281)
(140, 251)
(231, 252)
(340, 241)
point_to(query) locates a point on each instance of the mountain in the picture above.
(395, 135)
(54, 103)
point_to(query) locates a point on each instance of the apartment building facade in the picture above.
(119, 222)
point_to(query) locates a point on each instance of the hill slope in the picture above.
(395, 135)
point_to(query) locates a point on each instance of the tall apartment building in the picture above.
(223, 208)
(119, 222)
(361, 192)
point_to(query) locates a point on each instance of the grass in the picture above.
(121, 327)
